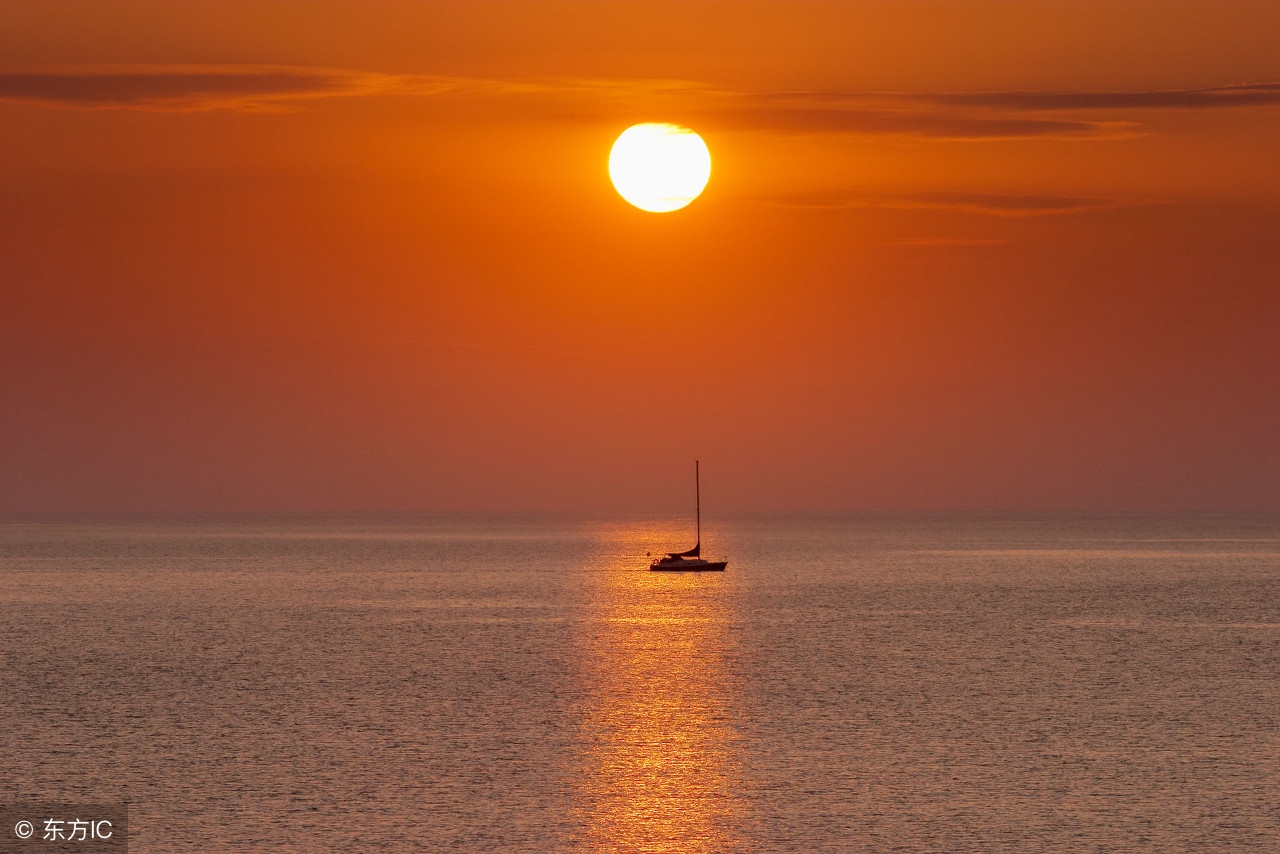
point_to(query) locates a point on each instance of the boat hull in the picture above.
(688, 566)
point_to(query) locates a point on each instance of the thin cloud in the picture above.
(949, 124)
(1217, 97)
(938, 116)
(1240, 95)
(983, 204)
(975, 115)
(187, 87)
(949, 241)
(182, 87)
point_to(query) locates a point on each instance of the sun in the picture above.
(659, 167)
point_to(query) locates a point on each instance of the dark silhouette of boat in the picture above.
(691, 560)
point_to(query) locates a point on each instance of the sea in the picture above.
(852, 683)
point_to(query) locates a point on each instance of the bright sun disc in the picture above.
(659, 167)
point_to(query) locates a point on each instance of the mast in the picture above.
(697, 492)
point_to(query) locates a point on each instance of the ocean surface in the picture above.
(523, 684)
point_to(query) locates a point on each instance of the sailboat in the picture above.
(690, 561)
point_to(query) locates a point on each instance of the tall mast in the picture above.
(697, 492)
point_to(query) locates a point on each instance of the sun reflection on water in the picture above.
(661, 765)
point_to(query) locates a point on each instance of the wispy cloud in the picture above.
(949, 241)
(1240, 95)
(948, 124)
(985, 204)
(187, 87)
(978, 115)
(928, 116)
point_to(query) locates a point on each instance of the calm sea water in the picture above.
(524, 685)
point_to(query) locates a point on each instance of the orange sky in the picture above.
(279, 256)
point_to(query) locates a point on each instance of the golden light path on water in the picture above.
(661, 769)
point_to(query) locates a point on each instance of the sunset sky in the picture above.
(365, 256)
